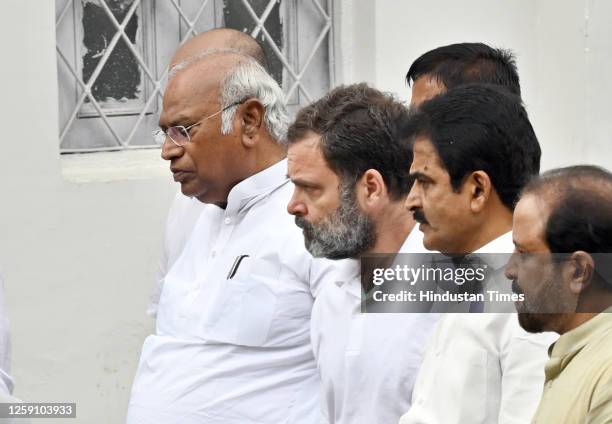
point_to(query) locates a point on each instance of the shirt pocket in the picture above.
(244, 307)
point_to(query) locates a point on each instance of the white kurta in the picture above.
(480, 368)
(234, 348)
(368, 362)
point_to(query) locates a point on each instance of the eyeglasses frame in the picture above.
(157, 134)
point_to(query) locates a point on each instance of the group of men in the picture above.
(260, 288)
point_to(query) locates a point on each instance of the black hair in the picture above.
(581, 215)
(361, 128)
(580, 198)
(481, 127)
(463, 63)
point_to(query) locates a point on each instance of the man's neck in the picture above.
(490, 229)
(591, 305)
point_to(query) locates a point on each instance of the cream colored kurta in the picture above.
(578, 386)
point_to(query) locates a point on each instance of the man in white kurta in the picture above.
(234, 350)
(184, 211)
(366, 359)
(232, 341)
(353, 208)
(480, 367)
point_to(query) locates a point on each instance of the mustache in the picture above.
(304, 225)
(300, 222)
(419, 216)
(515, 288)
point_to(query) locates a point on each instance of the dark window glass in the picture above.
(121, 75)
(237, 17)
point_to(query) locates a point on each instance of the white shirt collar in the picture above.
(246, 192)
(498, 245)
(502, 244)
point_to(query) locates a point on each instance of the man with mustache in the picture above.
(231, 344)
(347, 158)
(474, 149)
(562, 233)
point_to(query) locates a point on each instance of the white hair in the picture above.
(246, 80)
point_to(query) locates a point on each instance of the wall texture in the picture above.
(78, 260)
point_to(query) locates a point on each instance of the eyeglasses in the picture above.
(179, 134)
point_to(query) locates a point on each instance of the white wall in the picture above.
(78, 259)
(563, 49)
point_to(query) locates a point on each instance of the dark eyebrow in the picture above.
(418, 175)
(301, 183)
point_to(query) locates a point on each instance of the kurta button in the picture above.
(227, 220)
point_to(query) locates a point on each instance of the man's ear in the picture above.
(579, 271)
(479, 187)
(252, 114)
(371, 189)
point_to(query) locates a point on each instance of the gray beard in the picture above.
(347, 233)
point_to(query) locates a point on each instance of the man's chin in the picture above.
(430, 242)
(317, 251)
(532, 323)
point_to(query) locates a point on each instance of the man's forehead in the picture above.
(305, 159)
(190, 90)
(425, 155)
(307, 148)
(529, 223)
(426, 87)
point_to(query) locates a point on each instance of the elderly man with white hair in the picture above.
(232, 338)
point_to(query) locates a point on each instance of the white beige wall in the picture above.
(78, 259)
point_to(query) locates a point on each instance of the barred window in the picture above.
(112, 57)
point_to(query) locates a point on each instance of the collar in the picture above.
(350, 276)
(414, 243)
(502, 246)
(250, 190)
(571, 343)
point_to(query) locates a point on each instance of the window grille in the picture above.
(112, 57)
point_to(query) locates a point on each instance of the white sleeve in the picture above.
(182, 218)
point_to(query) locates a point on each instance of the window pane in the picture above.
(237, 17)
(120, 77)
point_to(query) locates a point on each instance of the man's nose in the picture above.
(413, 200)
(510, 271)
(296, 206)
(170, 150)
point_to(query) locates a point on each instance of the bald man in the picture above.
(232, 340)
(220, 38)
(184, 210)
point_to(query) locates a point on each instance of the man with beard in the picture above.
(347, 158)
(562, 233)
(474, 149)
